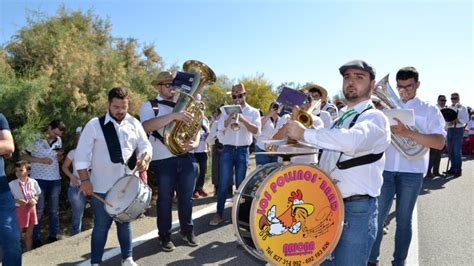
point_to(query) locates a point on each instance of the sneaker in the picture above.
(202, 193)
(191, 239)
(129, 262)
(166, 244)
(385, 230)
(216, 219)
(196, 195)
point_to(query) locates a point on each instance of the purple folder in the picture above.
(291, 97)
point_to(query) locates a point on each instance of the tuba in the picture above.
(406, 146)
(177, 134)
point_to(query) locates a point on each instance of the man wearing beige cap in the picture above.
(319, 93)
(171, 172)
(235, 155)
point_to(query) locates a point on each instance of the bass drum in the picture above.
(288, 214)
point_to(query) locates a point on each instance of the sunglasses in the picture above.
(454, 98)
(442, 100)
(238, 96)
(166, 85)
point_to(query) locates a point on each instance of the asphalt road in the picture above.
(443, 234)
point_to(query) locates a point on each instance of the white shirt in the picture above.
(202, 147)
(311, 158)
(325, 116)
(70, 156)
(369, 135)
(160, 151)
(430, 121)
(265, 134)
(470, 127)
(30, 189)
(92, 152)
(463, 116)
(42, 149)
(214, 133)
(334, 113)
(241, 137)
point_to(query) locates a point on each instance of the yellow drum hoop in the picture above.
(254, 225)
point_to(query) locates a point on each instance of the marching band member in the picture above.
(435, 154)
(171, 172)
(236, 146)
(280, 132)
(269, 122)
(455, 135)
(319, 93)
(105, 145)
(353, 157)
(403, 177)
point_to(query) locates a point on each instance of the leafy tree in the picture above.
(63, 66)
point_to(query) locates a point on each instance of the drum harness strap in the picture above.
(361, 160)
(113, 144)
(154, 105)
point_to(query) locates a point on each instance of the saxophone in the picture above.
(177, 134)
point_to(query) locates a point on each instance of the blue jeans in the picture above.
(261, 159)
(358, 233)
(9, 231)
(454, 149)
(231, 157)
(102, 223)
(201, 160)
(77, 201)
(49, 192)
(406, 186)
(175, 173)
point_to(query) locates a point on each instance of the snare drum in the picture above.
(288, 214)
(129, 198)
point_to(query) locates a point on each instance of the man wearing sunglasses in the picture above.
(171, 172)
(44, 154)
(235, 155)
(455, 135)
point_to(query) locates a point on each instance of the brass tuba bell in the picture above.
(406, 146)
(177, 134)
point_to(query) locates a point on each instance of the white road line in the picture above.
(412, 258)
(150, 235)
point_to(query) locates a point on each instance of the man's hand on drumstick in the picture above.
(86, 185)
(143, 162)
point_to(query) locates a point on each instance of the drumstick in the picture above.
(99, 198)
(102, 200)
(134, 172)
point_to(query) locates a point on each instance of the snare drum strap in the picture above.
(112, 140)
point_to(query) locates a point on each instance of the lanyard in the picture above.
(347, 114)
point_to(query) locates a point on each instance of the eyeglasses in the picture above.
(238, 96)
(454, 98)
(409, 86)
(166, 85)
(442, 100)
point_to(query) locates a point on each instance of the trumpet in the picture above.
(235, 125)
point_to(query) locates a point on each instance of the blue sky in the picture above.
(293, 41)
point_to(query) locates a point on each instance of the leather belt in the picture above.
(236, 147)
(357, 197)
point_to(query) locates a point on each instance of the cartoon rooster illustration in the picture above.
(290, 220)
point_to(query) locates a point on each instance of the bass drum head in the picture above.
(297, 216)
(243, 198)
(121, 196)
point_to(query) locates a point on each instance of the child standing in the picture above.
(26, 191)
